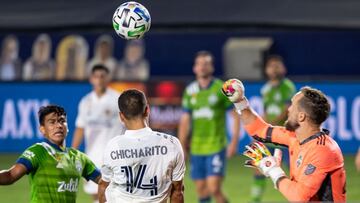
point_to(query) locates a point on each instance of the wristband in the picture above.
(243, 104)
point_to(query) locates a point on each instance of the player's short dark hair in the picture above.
(46, 110)
(204, 53)
(274, 57)
(132, 103)
(100, 67)
(315, 103)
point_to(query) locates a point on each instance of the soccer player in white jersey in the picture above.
(97, 120)
(142, 165)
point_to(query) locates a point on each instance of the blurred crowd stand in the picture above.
(71, 59)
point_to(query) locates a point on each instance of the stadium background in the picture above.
(320, 42)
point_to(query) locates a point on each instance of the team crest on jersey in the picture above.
(78, 165)
(59, 159)
(212, 99)
(310, 169)
(299, 161)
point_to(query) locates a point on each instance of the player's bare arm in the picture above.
(177, 192)
(233, 146)
(8, 177)
(78, 137)
(183, 132)
(101, 190)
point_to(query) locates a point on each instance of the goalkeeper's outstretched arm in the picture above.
(254, 124)
(234, 90)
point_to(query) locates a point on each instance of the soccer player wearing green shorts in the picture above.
(54, 170)
(205, 113)
(276, 95)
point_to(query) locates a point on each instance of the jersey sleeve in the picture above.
(30, 158)
(80, 119)
(310, 179)
(90, 172)
(179, 169)
(186, 104)
(264, 132)
(106, 170)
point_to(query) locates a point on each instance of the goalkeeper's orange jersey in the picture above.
(316, 164)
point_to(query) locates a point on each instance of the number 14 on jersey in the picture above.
(135, 180)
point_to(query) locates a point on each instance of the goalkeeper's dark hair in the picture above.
(46, 110)
(204, 53)
(100, 67)
(132, 103)
(315, 104)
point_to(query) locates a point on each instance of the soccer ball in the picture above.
(131, 20)
(233, 89)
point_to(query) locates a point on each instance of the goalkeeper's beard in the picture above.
(291, 126)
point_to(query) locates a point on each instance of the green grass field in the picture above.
(237, 184)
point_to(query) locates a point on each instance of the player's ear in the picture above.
(301, 116)
(122, 117)
(42, 129)
(147, 111)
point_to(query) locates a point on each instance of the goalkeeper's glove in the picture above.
(234, 90)
(261, 158)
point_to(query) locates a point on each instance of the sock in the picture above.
(258, 188)
(205, 200)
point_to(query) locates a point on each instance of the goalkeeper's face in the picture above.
(292, 122)
(203, 66)
(55, 128)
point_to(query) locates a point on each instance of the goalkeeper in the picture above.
(316, 163)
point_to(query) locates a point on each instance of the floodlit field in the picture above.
(237, 184)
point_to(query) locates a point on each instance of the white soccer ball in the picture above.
(131, 20)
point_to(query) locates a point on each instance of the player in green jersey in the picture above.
(276, 95)
(205, 113)
(54, 170)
